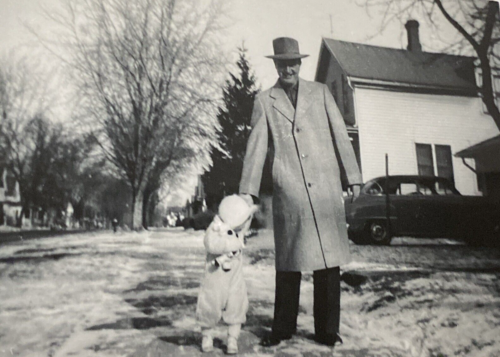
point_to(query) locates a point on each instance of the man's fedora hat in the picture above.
(286, 48)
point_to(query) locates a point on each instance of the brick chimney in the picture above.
(413, 39)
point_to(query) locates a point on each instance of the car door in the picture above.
(440, 209)
(405, 206)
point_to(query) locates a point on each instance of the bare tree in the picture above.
(147, 73)
(476, 22)
(23, 125)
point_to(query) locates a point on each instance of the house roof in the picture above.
(419, 69)
(482, 148)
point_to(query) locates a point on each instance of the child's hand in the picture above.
(225, 261)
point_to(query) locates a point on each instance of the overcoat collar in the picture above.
(283, 105)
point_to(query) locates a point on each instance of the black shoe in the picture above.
(328, 339)
(272, 340)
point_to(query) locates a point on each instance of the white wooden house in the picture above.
(10, 198)
(420, 108)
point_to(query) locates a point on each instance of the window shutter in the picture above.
(444, 162)
(424, 160)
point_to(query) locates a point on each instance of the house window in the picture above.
(354, 137)
(424, 160)
(444, 162)
(345, 95)
(439, 160)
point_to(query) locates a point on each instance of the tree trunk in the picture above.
(137, 203)
(149, 205)
(145, 204)
(487, 88)
(19, 219)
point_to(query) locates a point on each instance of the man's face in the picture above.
(288, 71)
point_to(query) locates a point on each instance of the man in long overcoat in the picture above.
(300, 124)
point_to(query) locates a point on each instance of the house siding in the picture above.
(393, 122)
(10, 198)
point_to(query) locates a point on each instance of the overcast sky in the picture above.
(256, 22)
(308, 22)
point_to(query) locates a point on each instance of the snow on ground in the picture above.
(134, 294)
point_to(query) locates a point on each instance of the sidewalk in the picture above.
(16, 235)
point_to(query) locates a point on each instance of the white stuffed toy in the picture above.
(223, 291)
(224, 242)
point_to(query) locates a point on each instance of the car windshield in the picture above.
(426, 186)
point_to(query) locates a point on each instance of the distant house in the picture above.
(420, 108)
(10, 198)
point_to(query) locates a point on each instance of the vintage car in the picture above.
(419, 206)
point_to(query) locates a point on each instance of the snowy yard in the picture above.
(134, 294)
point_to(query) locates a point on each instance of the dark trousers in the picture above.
(326, 302)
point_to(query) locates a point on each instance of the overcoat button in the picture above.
(309, 184)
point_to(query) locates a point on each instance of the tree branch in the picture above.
(490, 23)
(457, 26)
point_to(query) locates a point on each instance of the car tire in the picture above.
(377, 233)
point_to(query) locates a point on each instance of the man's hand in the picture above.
(248, 198)
(355, 191)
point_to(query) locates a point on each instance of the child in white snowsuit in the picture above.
(223, 292)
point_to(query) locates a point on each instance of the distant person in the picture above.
(115, 224)
(300, 123)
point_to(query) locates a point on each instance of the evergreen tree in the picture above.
(234, 117)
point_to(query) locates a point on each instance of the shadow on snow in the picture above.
(138, 323)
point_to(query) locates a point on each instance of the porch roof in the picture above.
(483, 148)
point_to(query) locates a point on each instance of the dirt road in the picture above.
(134, 294)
